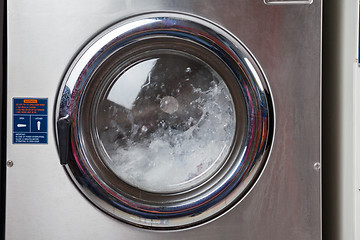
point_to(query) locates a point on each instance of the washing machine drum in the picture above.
(164, 121)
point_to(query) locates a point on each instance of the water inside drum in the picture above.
(166, 123)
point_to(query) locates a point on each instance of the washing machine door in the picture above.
(164, 121)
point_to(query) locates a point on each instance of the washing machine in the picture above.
(156, 119)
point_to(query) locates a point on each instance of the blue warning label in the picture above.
(30, 120)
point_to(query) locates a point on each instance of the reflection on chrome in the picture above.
(254, 73)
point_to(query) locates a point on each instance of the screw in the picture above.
(9, 163)
(317, 166)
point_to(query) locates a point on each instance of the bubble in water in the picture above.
(169, 104)
(188, 71)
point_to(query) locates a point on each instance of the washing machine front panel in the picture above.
(197, 129)
(286, 41)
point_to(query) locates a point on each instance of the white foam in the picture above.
(172, 159)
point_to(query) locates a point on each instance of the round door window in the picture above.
(165, 121)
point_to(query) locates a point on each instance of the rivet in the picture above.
(9, 163)
(317, 166)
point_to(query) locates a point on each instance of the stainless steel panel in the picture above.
(280, 2)
(44, 36)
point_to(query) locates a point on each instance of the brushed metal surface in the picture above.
(44, 36)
